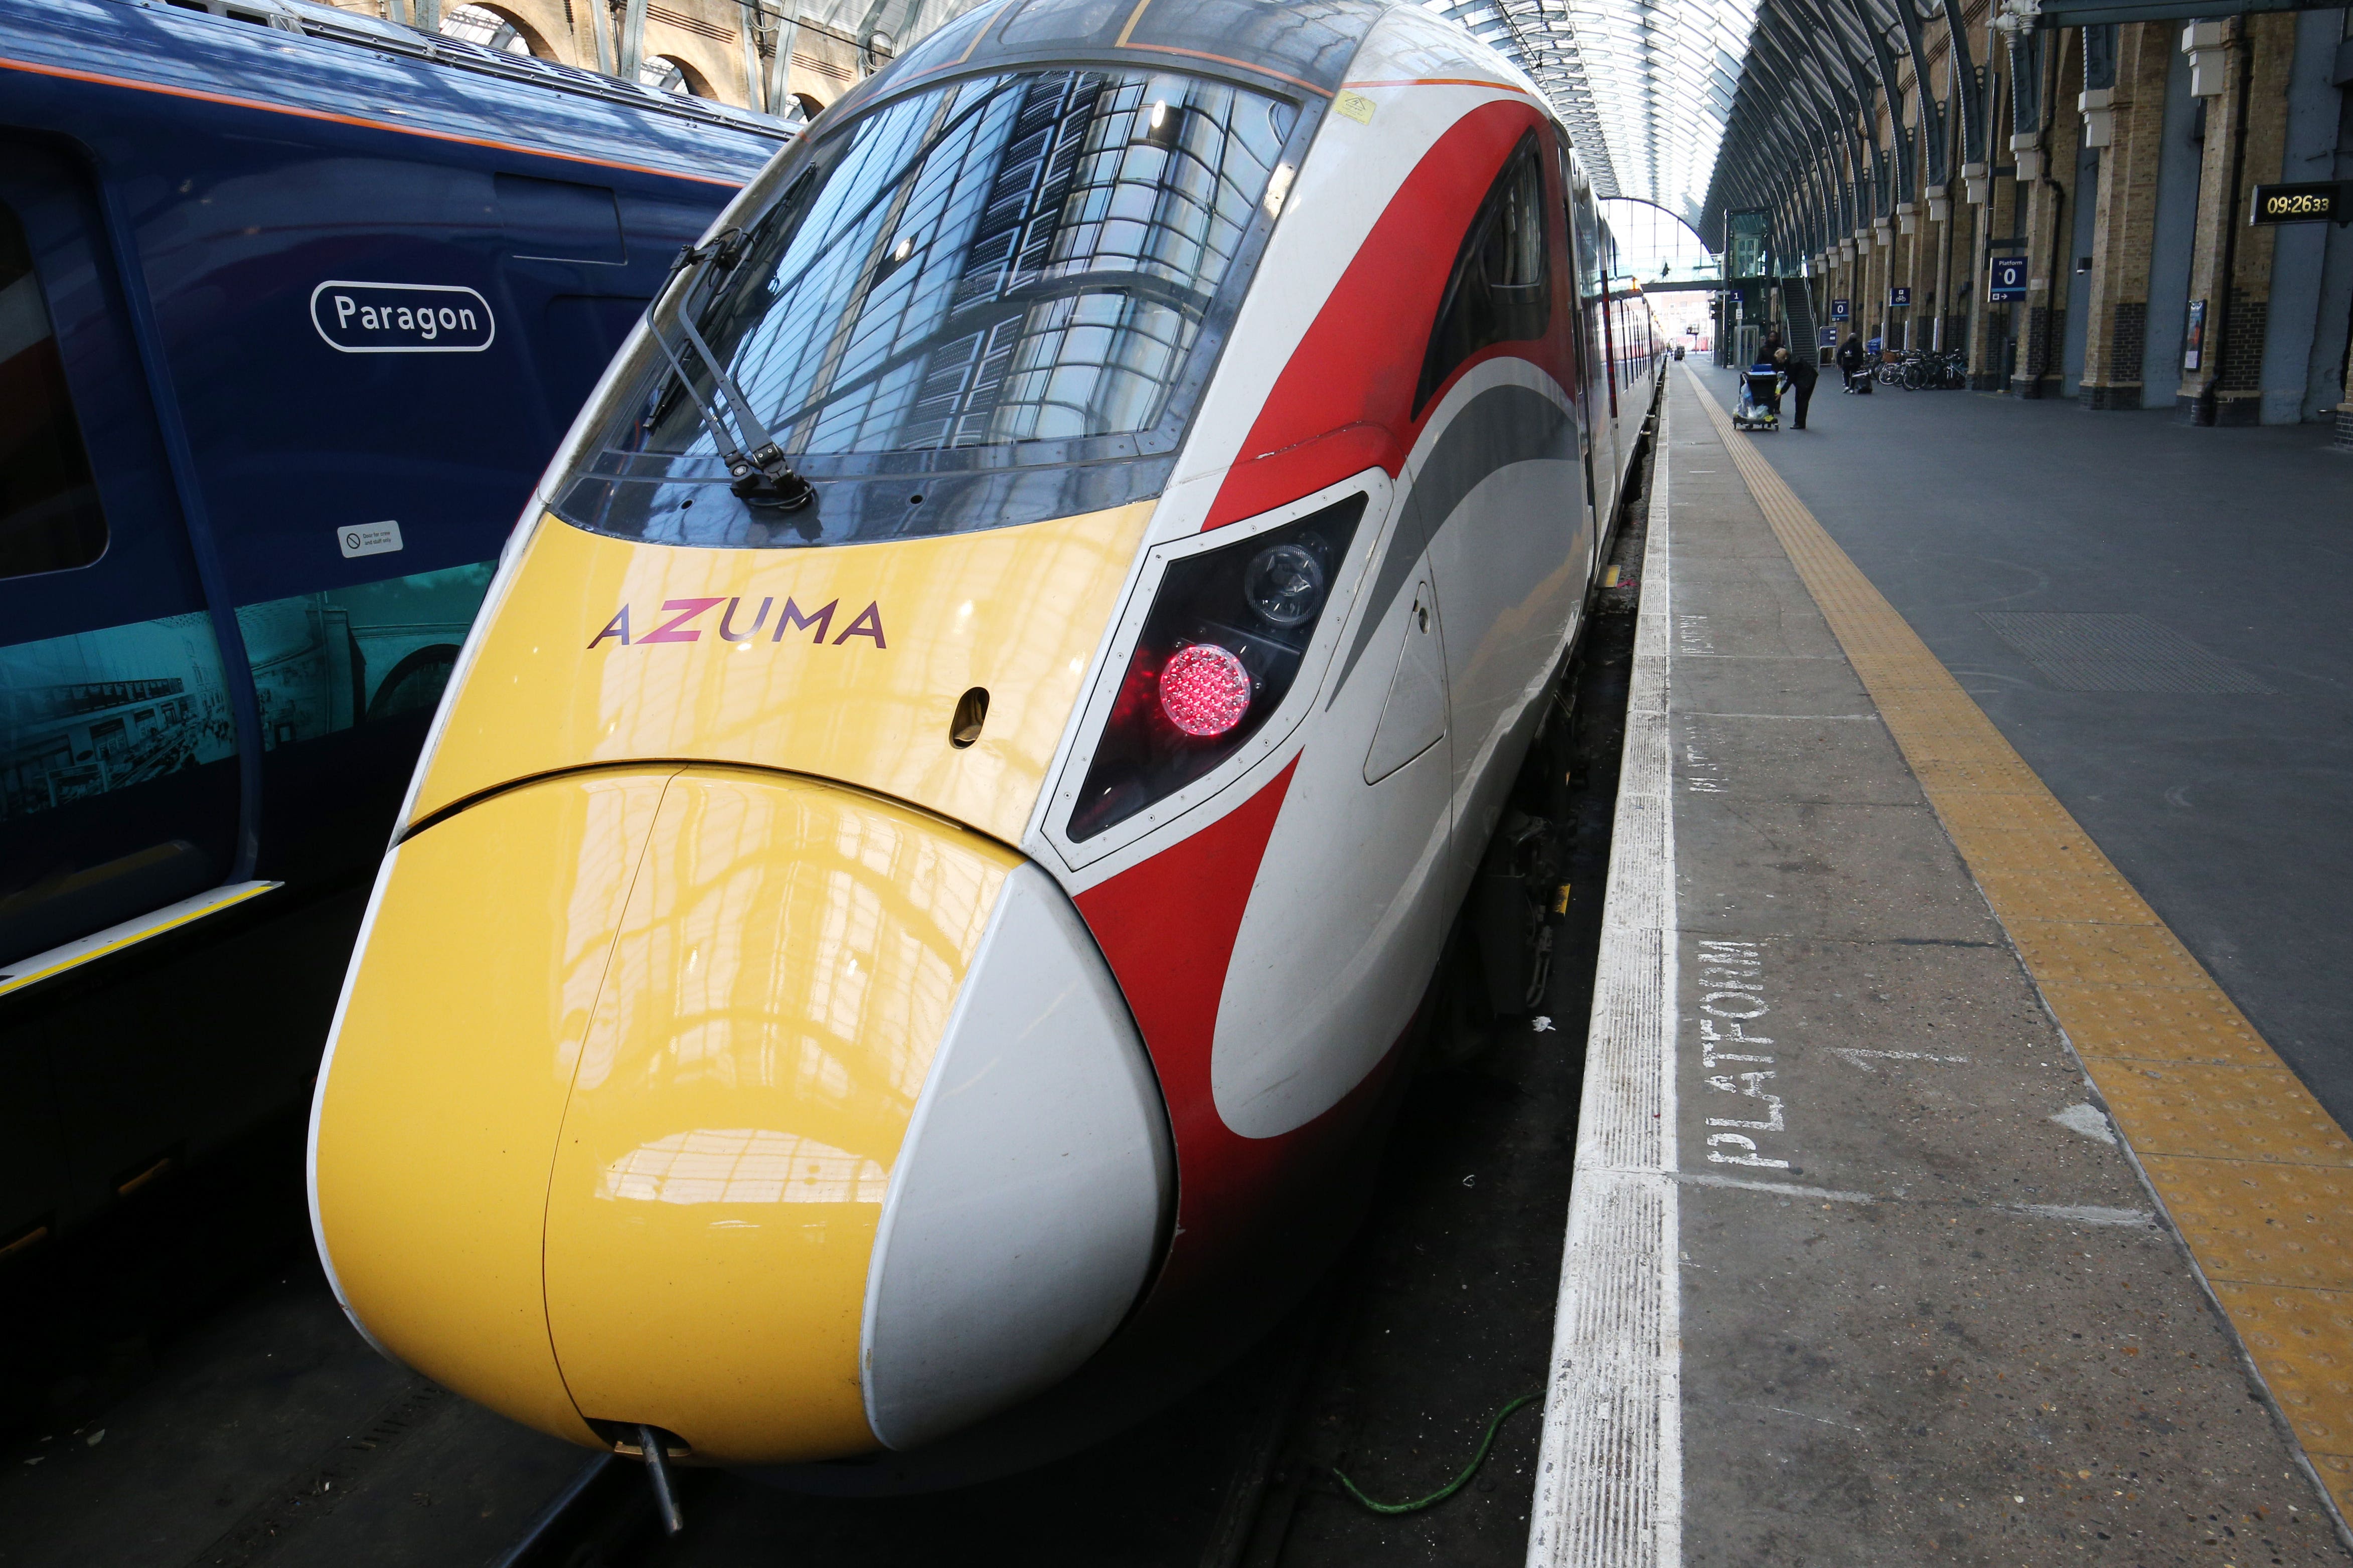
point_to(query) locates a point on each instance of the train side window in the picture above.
(1500, 291)
(50, 516)
(559, 220)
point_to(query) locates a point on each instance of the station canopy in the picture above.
(1646, 87)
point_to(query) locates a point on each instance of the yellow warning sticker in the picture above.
(1355, 105)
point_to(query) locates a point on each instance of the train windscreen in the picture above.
(1006, 273)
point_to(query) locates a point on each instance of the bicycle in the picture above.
(1947, 371)
(1933, 370)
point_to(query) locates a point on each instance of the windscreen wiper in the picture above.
(763, 477)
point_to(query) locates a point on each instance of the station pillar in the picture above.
(1873, 301)
(1943, 227)
(2131, 120)
(1843, 284)
(2245, 61)
(1989, 319)
(1903, 250)
(2345, 410)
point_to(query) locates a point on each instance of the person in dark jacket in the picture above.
(1850, 359)
(1799, 369)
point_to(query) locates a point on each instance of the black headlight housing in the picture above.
(1216, 657)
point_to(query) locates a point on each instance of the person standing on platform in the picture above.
(1803, 377)
(1849, 360)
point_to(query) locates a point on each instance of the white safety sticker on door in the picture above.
(358, 539)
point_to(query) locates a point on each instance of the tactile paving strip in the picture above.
(2255, 1176)
(2078, 652)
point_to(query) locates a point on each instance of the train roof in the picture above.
(297, 57)
(1307, 44)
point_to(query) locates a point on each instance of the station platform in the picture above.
(1934, 1202)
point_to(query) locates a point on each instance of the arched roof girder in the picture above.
(1647, 88)
(1931, 120)
(1820, 136)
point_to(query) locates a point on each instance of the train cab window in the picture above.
(1500, 291)
(997, 277)
(50, 516)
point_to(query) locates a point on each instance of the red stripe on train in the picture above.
(1344, 401)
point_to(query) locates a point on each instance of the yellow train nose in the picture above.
(626, 1067)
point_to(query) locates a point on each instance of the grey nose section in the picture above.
(1027, 1209)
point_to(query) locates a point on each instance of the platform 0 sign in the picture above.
(2312, 201)
(1840, 309)
(2007, 279)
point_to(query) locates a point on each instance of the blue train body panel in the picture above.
(289, 326)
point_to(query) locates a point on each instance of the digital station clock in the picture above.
(2312, 201)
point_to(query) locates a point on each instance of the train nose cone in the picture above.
(765, 1112)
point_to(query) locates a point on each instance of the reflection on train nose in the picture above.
(742, 1166)
(853, 1139)
(778, 987)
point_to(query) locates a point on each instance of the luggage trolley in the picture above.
(1760, 399)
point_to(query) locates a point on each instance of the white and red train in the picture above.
(906, 927)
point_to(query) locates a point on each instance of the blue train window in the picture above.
(50, 516)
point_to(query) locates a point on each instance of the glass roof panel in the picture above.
(1645, 85)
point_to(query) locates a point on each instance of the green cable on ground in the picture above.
(1457, 1484)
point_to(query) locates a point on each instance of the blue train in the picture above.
(294, 307)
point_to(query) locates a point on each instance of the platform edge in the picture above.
(1608, 1486)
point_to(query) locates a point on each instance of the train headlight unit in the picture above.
(1284, 585)
(1216, 657)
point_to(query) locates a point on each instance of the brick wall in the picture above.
(2238, 385)
(2127, 346)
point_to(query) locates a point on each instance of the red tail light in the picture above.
(1204, 690)
(1215, 658)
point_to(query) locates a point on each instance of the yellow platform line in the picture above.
(2256, 1176)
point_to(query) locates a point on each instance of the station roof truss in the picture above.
(1646, 87)
(1818, 140)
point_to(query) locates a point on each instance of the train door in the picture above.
(118, 747)
(1498, 488)
(1600, 393)
(1581, 346)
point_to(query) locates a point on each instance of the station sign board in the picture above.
(1899, 295)
(1839, 310)
(1826, 337)
(2309, 201)
(2007, 278)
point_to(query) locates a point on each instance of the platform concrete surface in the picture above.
(2215, 768)
(1858, 1273)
